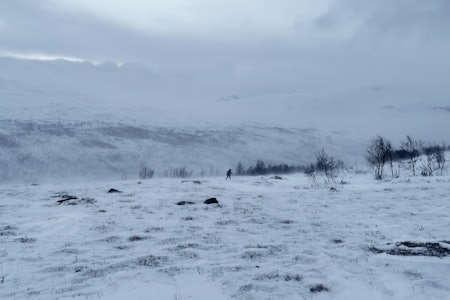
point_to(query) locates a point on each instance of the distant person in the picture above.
(228, 174)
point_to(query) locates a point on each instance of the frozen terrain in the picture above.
(266, 239)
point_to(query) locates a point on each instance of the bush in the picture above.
(325, 165)
(434, 160)
(328, 166)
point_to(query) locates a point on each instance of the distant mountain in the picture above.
(71, 119)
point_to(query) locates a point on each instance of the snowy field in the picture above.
(266, 239)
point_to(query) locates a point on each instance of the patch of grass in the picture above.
(276, 276)
(135, 238)
(151, 261)
(186, 246)
(287, 221)
(252, 254)
(112, 239)
(289, 277)
(154, 229)
(26, 240)
(8, 230)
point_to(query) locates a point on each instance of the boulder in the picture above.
(211, 201)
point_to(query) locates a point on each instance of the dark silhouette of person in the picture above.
(229, 174)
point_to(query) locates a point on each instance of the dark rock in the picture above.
(76, 200)
(318, 288)
(135, 238)
(185, 202)
(333, 189)
(211, 201)
(67, 198)
(409, 248)
(193, 181)
(277, 177)
(114, 191)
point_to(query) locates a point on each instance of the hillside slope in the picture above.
(60, 119)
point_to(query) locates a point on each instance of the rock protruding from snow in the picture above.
(185, 203)
(67, 198)
(318, 288)
(193, 181)
(410, 248)
(114, 191)
(211, 201)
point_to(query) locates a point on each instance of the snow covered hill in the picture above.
(266, 239)
(61, 119)
(42, 151)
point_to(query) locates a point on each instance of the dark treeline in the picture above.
(181, 172)
(402, 154)
(325, 166)
(260, 168)
(413, 154)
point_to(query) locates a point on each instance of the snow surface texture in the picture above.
(266, 239)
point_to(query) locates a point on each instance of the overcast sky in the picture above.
(272, 41)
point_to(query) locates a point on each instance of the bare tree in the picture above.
(260, 168)
(376, 155)
(390, 155)
(310, 171)
(328, 166)
(239, 169)
(413, 149)
(440, 158)
(178, 173)
(434, 160)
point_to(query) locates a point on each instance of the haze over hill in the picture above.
(68, 119)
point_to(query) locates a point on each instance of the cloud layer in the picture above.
(265, 43)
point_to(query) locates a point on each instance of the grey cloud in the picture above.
(401, 18)
(378, 51)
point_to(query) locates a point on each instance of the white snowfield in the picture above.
(266, 239)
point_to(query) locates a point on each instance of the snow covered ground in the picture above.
(266, 239)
